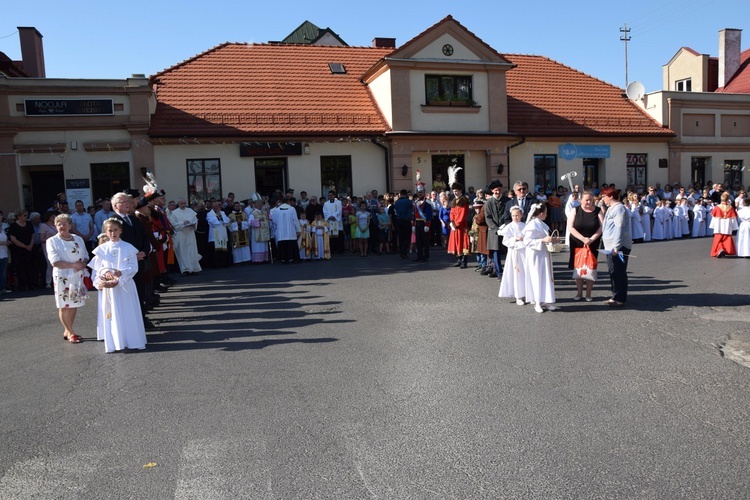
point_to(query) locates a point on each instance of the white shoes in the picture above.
(5, 291)
(520, 302)
(550, 307)
(538, 308)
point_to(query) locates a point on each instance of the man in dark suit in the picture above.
(494, 213)
(522, 199)
(134, 233)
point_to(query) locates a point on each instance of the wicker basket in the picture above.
(555, 247)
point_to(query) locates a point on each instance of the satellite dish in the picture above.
(635, 91)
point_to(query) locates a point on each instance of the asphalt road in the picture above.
(379, 378)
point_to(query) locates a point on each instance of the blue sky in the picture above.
(103, 39)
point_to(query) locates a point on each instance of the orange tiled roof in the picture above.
(740, 82)
(546, 98)
(240, 90)
(244, 89)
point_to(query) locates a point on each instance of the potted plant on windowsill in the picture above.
(468, 102)
(439, 101)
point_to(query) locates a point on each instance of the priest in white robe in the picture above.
(184, 220)
(239, 228)
(218, 238)
(260, 231)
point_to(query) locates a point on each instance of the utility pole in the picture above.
(625, 38)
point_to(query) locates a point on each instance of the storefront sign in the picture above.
(570, 151)
(271, 149)
(78, 189)
(63, 107)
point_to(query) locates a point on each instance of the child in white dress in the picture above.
(699, 219)
(658, 233)
(668, 216)
(646, 222)
(115, 263)
(636, 212)
(513, 283)
(709, 209)
(677, 221)
(540, 284)
(743, 233)
(684, 217)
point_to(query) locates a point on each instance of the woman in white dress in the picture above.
(513, 283)
(68, 256)
(540, 284)
(115, 263)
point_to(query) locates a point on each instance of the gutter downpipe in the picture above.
(386, 161)
(507, 153)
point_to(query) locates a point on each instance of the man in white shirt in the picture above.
(332, 214)
(83, 224)
(103, 214)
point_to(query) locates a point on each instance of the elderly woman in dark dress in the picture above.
(585, 229)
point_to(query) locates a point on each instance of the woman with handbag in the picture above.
(67, 254)
(585, 230)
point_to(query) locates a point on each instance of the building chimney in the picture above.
(729, 54)
(384, 43)
(32, 52)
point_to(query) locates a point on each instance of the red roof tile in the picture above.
(546, 98)
(240, 89)
(740, 82)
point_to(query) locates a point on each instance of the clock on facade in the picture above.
(448, 49)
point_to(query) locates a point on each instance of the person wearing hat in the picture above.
(421, 222)
(494, 211)
(478, 236)
(458, 241)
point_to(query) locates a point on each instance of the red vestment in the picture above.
(458, 241)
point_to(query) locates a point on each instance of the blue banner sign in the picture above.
(570, 151)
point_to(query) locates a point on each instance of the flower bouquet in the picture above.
(107, 277)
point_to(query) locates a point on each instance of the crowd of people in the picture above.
(137, 240)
